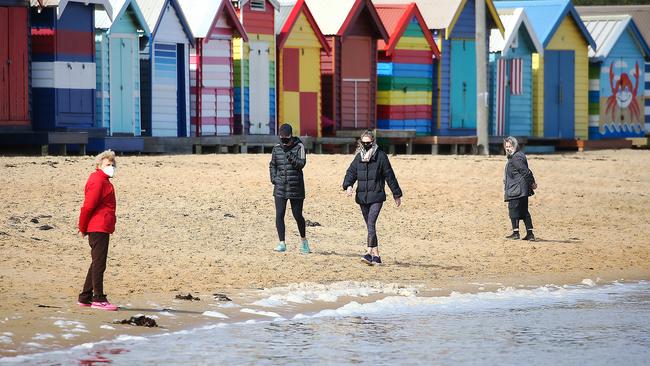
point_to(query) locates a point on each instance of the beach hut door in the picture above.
(122, 85)
(13, 64)
(259, 88)
(559, 88)
(463, 84)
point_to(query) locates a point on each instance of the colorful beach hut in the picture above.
(300, 43)
(349, 74)
(14, 67)
(405, 70)
(511, 70)
(616, 77)
(117, 45)
(214, 24)
(560, 108)
(164, 73)
(254, 63)
(63, 63)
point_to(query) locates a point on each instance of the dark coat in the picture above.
(98, 211)
(372, 177)
(518, 179)
(286, 170)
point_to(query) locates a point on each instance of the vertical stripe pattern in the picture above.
(501, 86)
(517, 76)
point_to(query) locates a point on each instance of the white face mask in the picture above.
(109, 170)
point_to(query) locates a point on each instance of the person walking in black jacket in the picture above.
(519, 184)
(371, 169)
(287, 161)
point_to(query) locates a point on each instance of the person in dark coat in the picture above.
(372, 170)
(97, 221)
(287, 161)
(519, 184)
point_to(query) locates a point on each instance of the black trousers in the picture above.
(370, 215)
(94, 286)
(518, 210)
(296, 209)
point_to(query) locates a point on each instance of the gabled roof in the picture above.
(153, 13)
(203, 15)
(102, 21)
(547, 15)
(61, 4)
(396, 19)
(640, 14)
(443, 14)
(334, 17)
(301, 8)
(608, 29)
(513, 20)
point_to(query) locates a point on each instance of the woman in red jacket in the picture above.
(97, 221)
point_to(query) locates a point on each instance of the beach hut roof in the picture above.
(512, 20)
(298, 8)
(640, 14)
(396, 19)
(443, 14)
(547, 15)
(104, 5)
(102, 21)
(335, 19)
(152, 11)
(606, 31)
(202, 16)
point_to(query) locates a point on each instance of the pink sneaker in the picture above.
(83, 304)
(104, 305)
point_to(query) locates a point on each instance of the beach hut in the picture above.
(511, 70)
(453, 25)
(214, 24)
(641, 16)
(300, 43)
(164, 70)
(117, 48)
(560, 107)
(14, 67)
(254, 63)
(616, 77)
(405, 70)
(349, 73)
(63, 63)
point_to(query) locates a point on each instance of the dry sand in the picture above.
(174, 234)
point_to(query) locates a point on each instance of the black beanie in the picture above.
(286, 130)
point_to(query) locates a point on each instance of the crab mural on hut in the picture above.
(623, 103)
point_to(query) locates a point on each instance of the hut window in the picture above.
(235, 3)
(515, 42)
(258, 5)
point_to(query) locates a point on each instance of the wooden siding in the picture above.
(14, 55)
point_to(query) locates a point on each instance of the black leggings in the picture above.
(296, 209)
(370, 215)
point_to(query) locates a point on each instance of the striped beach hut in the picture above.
(63, 63)
(254, 63)
(511, 69)
(300, 43)
(349, 74)
(641, 16)
(14, 67)
(405, 70)
(560, 107)
(165, 71)
(117, 45)
(214, 24)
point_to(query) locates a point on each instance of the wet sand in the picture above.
(205, 224)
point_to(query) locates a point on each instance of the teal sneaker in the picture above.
(305, 247)
(282, 247)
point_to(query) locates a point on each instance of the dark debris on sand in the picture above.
(229, 215)
(140, 321)
(312, 223)
(187, 297)
(221, 297)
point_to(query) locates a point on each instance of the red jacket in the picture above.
(98, 211)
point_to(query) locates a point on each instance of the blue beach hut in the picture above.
(511, 86)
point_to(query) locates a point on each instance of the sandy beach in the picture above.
(205, 224)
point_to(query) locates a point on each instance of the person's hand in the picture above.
(349, 191)
(398, 201)
(534, 185)
(83, 235)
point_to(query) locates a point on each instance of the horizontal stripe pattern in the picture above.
(64, 75)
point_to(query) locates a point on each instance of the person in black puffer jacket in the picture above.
(372, 170)
(518, 185)
(287, 161)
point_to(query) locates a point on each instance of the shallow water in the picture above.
(551, 325)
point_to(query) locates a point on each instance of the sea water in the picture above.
(585, 324)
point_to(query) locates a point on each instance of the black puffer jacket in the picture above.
(372, 177)
(518, 180)
(286, 170)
